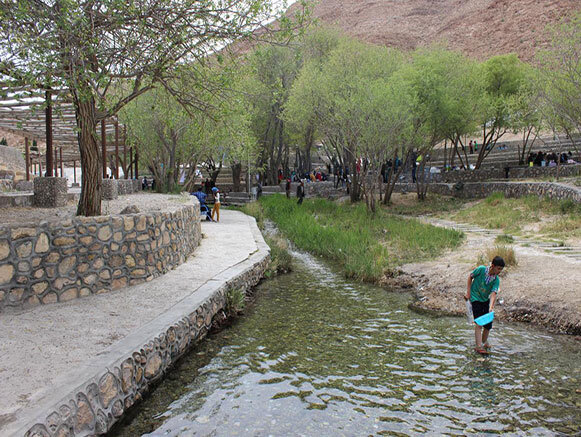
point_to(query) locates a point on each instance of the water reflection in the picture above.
(318, 355)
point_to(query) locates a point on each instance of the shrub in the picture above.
(504, 238)
(280, 258)
(506, 252)
(235, 301)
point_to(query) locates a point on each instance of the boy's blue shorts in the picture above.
(479, 309)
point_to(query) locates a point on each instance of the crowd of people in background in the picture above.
(550, 159)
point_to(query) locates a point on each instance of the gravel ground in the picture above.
(146, 202)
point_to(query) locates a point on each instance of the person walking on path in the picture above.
(483, 287)
(287, 188)
(300, 192)
(216, 208)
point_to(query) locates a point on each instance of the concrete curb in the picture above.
(91, 399)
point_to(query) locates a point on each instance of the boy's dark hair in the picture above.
(498, 261)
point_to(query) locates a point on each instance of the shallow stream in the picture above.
(317, 355)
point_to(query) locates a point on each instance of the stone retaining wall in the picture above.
(57, 262)
(11, 158)
(466, 190)
(514, 173)
(102, 400)
(470, 190)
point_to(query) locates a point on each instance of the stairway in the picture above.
(555, 248)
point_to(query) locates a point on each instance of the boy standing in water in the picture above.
(483, 286)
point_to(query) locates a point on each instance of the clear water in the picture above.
(317, 355)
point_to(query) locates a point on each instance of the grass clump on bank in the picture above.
(366, 246)
(280, 258)
(541, 216)
(506, 252)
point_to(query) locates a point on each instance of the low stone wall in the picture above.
(324, 189)
(50, 192)
(11, 158)
(460, 189)
(127, 186)
(109, 189)
(514, 173)
(24, 186)
(470, 190)
(102, 400)
(56, 262)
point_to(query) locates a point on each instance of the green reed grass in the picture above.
(365, 245)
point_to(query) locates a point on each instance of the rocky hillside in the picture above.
(478, 28)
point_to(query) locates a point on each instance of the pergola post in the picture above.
(75, 172)
(56, 163)
(27, 158)
(61, 158)
(104, 148)
(116, 149)
(48, 125)
(136, 163)
(39, 166)
(125, 167)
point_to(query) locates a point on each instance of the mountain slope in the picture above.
(478, 28)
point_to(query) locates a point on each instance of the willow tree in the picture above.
(352, 101)
(503, 77)
(560, 72)
(109, 52)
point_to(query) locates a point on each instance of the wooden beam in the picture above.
(136, 163)
(116, 150)
(104, 148)
(48, 129)
(125, 175)
(27, 158)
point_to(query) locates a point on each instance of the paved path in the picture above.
(41, 347)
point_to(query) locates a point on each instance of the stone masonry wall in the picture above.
(57, 262)
(11, 159)
(470, 190)
(514, 173)
(465, 190)
(103, 399)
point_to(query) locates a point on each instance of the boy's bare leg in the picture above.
(478, 335)
(485, 333)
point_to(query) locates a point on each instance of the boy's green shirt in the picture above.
(483, 285)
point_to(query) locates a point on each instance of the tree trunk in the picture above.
(91, 179)
(308, 145)
(236, 172)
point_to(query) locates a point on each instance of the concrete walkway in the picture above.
(44, 348)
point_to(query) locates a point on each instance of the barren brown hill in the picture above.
(478, 28)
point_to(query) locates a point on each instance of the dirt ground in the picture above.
(543, 289)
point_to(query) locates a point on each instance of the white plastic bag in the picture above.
(469, 315)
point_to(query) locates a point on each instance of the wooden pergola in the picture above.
(49, 116)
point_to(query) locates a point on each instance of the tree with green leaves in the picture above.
(349, 99)
(560, 77)
(503, 76)
(432, 78)
(109, 52)
(527, 115)
(271, 74)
